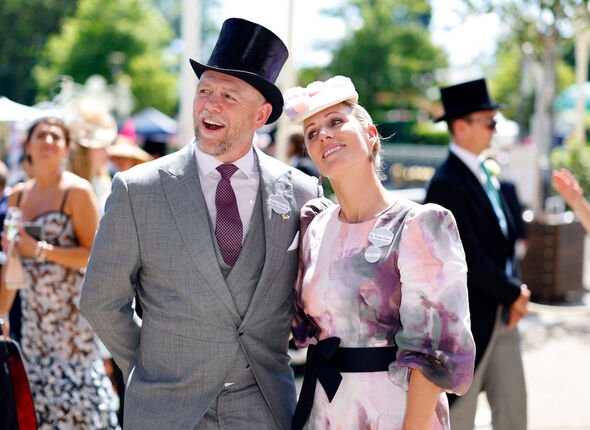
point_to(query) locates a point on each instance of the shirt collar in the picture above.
(207, 163)
(471, 160)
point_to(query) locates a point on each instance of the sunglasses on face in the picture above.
(487, 122)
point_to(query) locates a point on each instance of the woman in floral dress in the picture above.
(381, 299)
(66, 373)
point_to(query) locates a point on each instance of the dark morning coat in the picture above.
(456, 188)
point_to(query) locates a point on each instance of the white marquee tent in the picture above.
(13, 112)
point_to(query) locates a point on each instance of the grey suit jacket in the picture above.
(154, 240)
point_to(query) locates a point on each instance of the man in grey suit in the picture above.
(206, 238)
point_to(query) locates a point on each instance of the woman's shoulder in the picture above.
(18, 187)
(73, 181)
(316, 206)
(429, 209)
(76, 186)
(16, 190)
(429, 217)
(413, 209)
(314, 210)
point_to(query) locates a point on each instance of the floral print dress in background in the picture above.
(67, 376)
(414, 296)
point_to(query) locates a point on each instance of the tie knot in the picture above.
(226, 170)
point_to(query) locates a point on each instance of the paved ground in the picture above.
(556, 353)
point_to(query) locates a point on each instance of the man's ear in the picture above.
(459, 124)
(264, 111)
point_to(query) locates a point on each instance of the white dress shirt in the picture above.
(244, 182)
(472, 161)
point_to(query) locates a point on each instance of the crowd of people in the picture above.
(65, 173)
(408, 310)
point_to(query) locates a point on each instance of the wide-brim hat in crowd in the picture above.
(92, 127)
(465, 98)
(252, 53)
(126, 148)
(301, 103)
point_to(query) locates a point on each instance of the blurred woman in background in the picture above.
(67, 376)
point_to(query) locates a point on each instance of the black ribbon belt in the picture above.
(326, 360)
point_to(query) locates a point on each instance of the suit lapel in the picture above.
(275, 179)
(476, 190)
(508, 214)
(183, 191)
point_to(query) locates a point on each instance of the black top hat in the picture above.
(252, 53)
(462, 99)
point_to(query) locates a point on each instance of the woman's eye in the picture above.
(311, 135)
(336, 121)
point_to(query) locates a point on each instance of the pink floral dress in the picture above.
(413, 296)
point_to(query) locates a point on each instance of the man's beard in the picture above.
(222, 147)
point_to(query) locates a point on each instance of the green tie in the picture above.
(496, 201)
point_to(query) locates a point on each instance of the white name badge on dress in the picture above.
(372, 254)
(380, 237)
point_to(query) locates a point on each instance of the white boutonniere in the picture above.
(280, 205)
(492, 167)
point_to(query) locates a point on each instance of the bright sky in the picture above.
(467, 43)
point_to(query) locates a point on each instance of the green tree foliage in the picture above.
(543, 25)
(513, 80)
(26, 26)
(390, 58)
(112, 38)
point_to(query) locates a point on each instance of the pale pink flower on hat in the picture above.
(297, 101)
(301, 103)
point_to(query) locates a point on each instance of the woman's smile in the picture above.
(332, 150)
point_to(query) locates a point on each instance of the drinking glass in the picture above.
(12, 222)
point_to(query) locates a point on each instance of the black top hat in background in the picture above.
(462, 99)
(252, 53)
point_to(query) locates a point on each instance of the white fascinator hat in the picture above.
(301, 103)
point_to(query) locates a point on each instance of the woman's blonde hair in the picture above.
(364, 118)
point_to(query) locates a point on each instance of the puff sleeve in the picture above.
(435, 334)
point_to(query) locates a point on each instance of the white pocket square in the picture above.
(295, 244)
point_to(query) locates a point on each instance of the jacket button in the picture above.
(241, 332)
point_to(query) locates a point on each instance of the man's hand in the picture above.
(518, 309)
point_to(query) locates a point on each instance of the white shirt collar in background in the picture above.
(472, 161)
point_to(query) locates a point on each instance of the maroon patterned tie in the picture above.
(228, 225)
